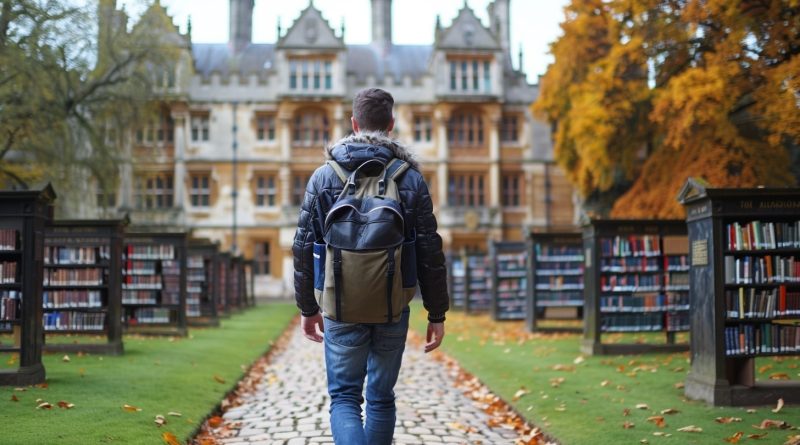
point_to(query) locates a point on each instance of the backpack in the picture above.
(365, 271)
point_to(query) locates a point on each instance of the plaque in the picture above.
(700, 253)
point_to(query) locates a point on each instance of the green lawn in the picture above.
(189, 376)
(589, 405)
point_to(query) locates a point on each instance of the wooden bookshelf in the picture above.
(555, 282)
(479, 283)
(83, 283)
(742, 239)
(201, 283)
(154, 283)
(625, 283)
(457, 281)
(509, 280)
(236, 281)
(224, 308)
(23, 218)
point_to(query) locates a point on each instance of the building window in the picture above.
(266, 192)
(423, 129)
(509, 128)
(154, 190)
(105, 198)
(265, 127)
(310, 129)
(512, 194)
(200, 192)
(465, 129)
(299, 183)
(160, 130)
(310, 75)
(200, 125)
(262, 258)
(466, 75)
(466, 190)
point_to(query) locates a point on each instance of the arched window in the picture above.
(465, 129)
(310, 128)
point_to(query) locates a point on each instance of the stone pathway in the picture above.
(290, 404)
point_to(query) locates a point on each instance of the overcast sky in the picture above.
(534, 23)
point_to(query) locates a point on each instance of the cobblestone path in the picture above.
(290, 404)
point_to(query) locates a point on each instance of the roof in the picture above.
(220, 58)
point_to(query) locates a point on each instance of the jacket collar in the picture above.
(353, 150)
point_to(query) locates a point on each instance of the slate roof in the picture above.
(218, 57)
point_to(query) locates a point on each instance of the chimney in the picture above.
(241, 24)
(382, 23)
(500, 23)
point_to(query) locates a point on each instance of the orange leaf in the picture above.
(14, 398)
(779, 376)
(215, 422)
(728, 419)
(44, 405)
(764, 369)
(793, 440)
(219, 379)
(756, 436)
(43, 385)
(767, 424)
(170, 438)
(130, 408)
(735, 438)
(628, 425)
(658, 420)
(669, 411)
(626, 412)
(66, 405)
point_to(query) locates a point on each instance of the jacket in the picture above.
(320, 194)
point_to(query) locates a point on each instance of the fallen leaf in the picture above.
(174, 414)
(728, 419)
(691, 429)
(678, 385)
(20, 389)
(160, 420)
(793, 440)
(561, 408)
(779, 376)
(215, 422)
(669, 411)
(14, 398)
(735, 438)
(65, 405)
(764, 369)
(65, 359)
(642, 406)
(767, 424)
(658, 420)
(644, 441)
(520, 393)
(44, 405)
(42, 385)
(219, 379)
(751, 411)
(82, 372)
(628, 425)
(780, 405)
(170, 438)
(605, 383)
(557, 381)
(756, 436)
(626, 412)
(661, 434)
(130, 408)
(578, 360)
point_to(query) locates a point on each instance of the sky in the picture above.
(534, 23)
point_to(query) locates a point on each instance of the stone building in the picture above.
(243, 126)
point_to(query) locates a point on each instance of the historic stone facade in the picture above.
(243, 126)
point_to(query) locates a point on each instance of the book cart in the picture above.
(83, 284)
(23, 217)
(509, 280)
(154, 283)
(223, 284)
(555, 282)
(479, 283)
(201, 283)
(745, 284)
(457, 281)
(636, 281)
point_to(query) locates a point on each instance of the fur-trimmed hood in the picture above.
(352, 150)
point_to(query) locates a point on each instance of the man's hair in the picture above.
(372, 109)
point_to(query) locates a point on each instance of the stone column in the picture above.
(440, 119)
(284, 174)
(494, 160)
(180, 133)
(338, 118)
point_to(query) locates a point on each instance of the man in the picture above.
(355, 351)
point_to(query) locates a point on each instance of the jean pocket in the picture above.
(319, 266)
(408, 263)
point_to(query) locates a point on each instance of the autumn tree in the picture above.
(646, 93)
(68, 90)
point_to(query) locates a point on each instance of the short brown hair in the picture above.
(372, 109)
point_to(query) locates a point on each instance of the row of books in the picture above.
(765, 303)
(629, 264)
(766, 269)
(139, 297)
(72, 299)
(149, 316)
(73, 277)
(633, 245)
(9, 239)
(74, 321)
(552, 253)
(170, 267)
(9, 304)
(196, 275)
(678, 321)
(8, 272)
(564, 282)
(630, 283)
(564, 268)
(645, 303)
(195, 262)
(146, 267)
(757, 235)
(142, 282)
(150, 252)
(69, 255)
(762, 338)
(676, 262)
(565, 298)
(676, 281)
(512, 284)
(644, 322)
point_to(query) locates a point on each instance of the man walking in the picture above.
(355, 349)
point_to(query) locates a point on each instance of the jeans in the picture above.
(353, 352)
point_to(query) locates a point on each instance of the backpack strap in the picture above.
(396, 168)
(340, 172)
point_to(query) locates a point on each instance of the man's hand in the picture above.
(309, 327)
(435, 336)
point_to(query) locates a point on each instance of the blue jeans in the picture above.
(353, 352)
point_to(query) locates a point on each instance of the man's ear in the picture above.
(391, 126)
(354, 124)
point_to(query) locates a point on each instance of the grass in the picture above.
(589, 405)
(159, 375)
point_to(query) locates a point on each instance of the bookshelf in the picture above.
(555, 282)
(201, 283)
(23, 218)
(631, 285)
(154, 283)
(746, 294)
(235, 295)
(457, 275)
(223, 284)
(509, 280)
(82, 283)
(479, 283)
